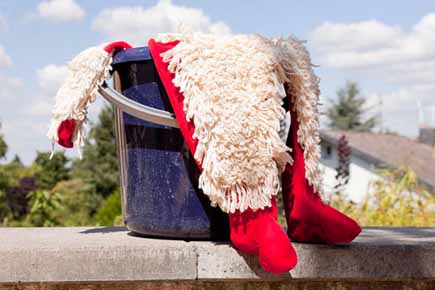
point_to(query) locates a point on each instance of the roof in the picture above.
(389, 150)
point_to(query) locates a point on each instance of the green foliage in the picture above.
(42, 205)
(99, 166)
(50, 171)
(5, 211)
(16, 181)
(397, 199)
(347, 112)
(110, 213)
(17, 197)
(3, 146)
(12, 172)
(79, 203)
(32, 195)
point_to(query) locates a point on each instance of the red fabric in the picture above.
(308, 218)
(175, 96)
(258, 233)
(252, 232)
(65, 133)
(117, 45)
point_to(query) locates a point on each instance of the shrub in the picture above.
(396, 199)
(42, 206)
(79, 203)
(110, 213)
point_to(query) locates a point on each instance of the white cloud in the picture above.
(34, 114)
(401, 111)
(354, 36)
(50, 77)
(8, 87)
(5, 59)
(3, 23)
(371, 43)
(60, 10)
(136, 23)
(25, 135)
(400, 61)
(40, 107)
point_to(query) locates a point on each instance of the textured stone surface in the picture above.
(294, 284)
(91, 254)
(378, 253)
(112, 254)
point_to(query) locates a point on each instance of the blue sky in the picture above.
(386, 46)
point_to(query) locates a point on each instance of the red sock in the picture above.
(65, 133)
(308, 218)
(252, 232)
(259, 233)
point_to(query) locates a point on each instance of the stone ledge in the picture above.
(84, 254)
(294, 284)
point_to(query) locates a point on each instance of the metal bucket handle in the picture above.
(157, 116)
(136, 109)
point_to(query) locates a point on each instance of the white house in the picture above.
(369, 153)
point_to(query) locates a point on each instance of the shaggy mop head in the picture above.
(233, 88)
(85, 72)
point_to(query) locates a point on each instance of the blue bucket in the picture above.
(159, 177)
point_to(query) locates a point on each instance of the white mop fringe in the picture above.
(303, 89)
(85, 72)
(233, 93)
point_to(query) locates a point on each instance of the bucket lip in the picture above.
(132, 55)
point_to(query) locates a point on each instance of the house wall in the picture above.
(362, 173)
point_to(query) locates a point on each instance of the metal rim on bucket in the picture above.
(136, 109)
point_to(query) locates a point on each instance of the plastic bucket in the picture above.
(160, 196)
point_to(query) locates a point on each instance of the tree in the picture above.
(3, 146)
(344, 152)
(16, 181)
(50, 171)
(347, 113)
(110, 213)
(18, 196)
(79, 203)
(5, 211)
(42, 206)
(99, 166)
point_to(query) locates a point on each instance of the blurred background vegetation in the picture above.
(395, 199)
(65, 192)
(61, 191)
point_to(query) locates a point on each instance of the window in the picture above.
(326, 151)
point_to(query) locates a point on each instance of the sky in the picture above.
(387, 47)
